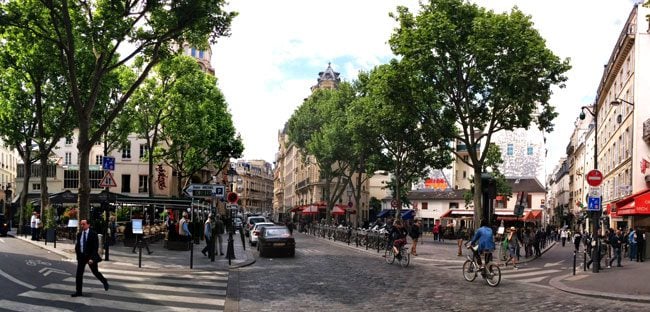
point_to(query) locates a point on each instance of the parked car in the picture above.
(250, 222)
(238, 224)
(252, 239)
(4, 226)
(276, 239)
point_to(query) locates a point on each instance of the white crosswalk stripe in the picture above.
(308, 251)
(130, 290)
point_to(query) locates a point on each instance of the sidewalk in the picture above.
(159, 259)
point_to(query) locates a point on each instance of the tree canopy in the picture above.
(484, 71)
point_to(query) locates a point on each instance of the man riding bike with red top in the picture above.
(398, 234)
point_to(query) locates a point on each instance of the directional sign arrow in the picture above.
(47, 271)
(546, 265)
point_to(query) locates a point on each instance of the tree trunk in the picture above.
(478, 207)
(84, 147)
(25, 190)
(45, 200)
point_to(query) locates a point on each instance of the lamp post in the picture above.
(595, 215)
(230, 253)
(347, 210)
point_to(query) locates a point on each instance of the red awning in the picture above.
(635, 204)
(295, 209)
(337, 211)
(311, 209)
(457, 213)
(533, 215)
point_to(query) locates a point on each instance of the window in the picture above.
(201, 54)
(36, 186)
(126, 153)
(96, 177)
(510, 150)
(425, 205)
(529, 150)
(464, 174)
(68, 158)
(143, 184)
(126, 183)
(193, 52)
(143, 150)
(98, 159)
(70, 179)
(453, 205)
(68, 141)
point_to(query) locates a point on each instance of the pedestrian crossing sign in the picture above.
(108, 180)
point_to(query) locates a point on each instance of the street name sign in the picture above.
(595, 191)
(205, 190)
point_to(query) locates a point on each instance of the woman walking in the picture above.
(513, 244)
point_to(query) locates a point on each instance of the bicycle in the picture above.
(404, 259)
(491, 273)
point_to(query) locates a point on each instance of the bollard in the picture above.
(191, 253)
(139, 253)
(575, 254)
(585, 260)
(54, 238)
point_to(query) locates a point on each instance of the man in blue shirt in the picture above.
(485, 239)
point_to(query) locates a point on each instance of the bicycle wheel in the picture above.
(469, 270)
(389, 256)
(492, 274)
(406, 258)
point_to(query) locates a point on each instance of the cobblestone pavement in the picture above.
(329, 277)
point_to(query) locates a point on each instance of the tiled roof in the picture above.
(431, 194)
(526, 184)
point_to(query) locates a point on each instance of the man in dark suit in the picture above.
(86, 248)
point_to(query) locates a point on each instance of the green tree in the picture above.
(486, 72)
(408, 147)
(87, 36)
(35, 107)
(318, 128)
(201, 132)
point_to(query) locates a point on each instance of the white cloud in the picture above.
(277, 48)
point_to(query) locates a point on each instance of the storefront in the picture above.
(632, 211)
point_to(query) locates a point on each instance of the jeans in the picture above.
(617, 256)
(632, 252)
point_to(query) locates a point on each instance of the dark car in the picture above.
(276, 239)
(4, 227)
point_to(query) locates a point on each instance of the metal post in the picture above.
(574, 261)
(107, 236)
(137, 241)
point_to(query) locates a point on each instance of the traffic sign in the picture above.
(394, 203)
(593, 204)
(594, 177)
(232, 197)
(108, 163)
(107, 180)
(595, 191)
(350, 204)
(205, 190)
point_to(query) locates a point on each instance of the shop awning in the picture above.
(296, 209)
(533, 215)
(635, 204)
(451, 214)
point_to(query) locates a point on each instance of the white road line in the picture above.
(203, 290)
(216, 276)
(545, 272)
(116, 304)
(17, 281)
(149, 281)
(25, 307)
(534, 279)
(142, 295)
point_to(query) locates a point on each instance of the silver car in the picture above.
(255, 232)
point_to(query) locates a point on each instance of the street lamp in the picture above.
(617, 102)
(595, 215)
(347, 210)
(232, 173)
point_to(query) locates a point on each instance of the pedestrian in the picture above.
(563, 236)
(512, 243)
(460, 235)
(616, 241)
(436, 232)
(32, 225)
(640, 244)
(290, 226)
(633, 245)
(86, 247)
(219, 227)
(112, 229)
(183, 228)
(415, 233)
(207, 234)
(577, 239)
(39, 226)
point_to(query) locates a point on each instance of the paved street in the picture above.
(329, 276)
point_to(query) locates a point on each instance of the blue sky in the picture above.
(277, 48)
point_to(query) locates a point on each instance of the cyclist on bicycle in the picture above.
(485, 239)
(398, 234)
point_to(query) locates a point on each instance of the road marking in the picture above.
(25, 307)
(114, 304)
(534, 280)
(52, 270)
(17, 281)
(156, 280)
(553, 263)
(143, 295)
(206, 291)
(216, 275)
(509, 276)
(577, 277)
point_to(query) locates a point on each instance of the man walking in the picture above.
(207, 233)
(219, 227)
(615, 240)
(640, 245)
(415, 233)
(33, 225)
(86, 249)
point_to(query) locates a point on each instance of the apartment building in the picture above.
(254, 185)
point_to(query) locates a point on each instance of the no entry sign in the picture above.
(594, 177)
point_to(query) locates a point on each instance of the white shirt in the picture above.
(82, 241)
(33, 221)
